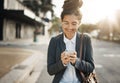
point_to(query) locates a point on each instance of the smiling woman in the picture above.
(70, 25)
(67, 68)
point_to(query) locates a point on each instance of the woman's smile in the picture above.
(70, 25)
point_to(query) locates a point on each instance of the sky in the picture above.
(93, 10)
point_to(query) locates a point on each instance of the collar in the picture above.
(73, 40)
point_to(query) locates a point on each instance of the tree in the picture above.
(39, 5)
(56, 26)
(87, 28)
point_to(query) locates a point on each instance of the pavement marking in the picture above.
(98, 66)
(111, 55)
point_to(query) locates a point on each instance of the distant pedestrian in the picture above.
(64, 50)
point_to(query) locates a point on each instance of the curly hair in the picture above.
(72, 7)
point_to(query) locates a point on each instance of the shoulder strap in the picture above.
(82, 74)
(81, 44)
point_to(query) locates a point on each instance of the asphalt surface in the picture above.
(10, 57)
(107, 59)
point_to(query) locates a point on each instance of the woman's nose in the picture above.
(70, 26)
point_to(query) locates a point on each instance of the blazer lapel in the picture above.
(62, 44)
(78, 44)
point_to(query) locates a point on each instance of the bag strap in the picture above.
(81, 73)
(81, 44)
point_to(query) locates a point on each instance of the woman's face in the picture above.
(70, 25)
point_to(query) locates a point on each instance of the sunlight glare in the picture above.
(95, 10)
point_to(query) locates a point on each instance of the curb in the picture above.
(14, 44)
(21, 71)
(35, 74)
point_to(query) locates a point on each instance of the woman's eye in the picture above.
(65, 23)
(74, 24)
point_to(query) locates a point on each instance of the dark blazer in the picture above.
(57, 46)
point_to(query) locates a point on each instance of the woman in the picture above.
(64, 50)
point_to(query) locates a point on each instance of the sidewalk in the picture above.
(30, 41)
(17, 63)
(10, 57)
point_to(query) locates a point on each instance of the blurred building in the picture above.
(109, 29)
(21, 18)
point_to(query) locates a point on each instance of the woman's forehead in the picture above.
(70, 18)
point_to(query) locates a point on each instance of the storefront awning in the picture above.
(22, 16)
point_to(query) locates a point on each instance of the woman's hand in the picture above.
(65, 58)
(73, 57)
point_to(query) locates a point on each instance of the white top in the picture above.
(69, 75)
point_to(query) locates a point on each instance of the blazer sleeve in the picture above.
(86, 65)
(53, 66)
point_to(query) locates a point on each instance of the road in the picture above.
(106, 56)
(107, 61)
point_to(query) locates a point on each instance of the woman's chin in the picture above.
(69, 36)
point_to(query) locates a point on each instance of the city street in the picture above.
(106, 56)
(26, 27)
(107, 61)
